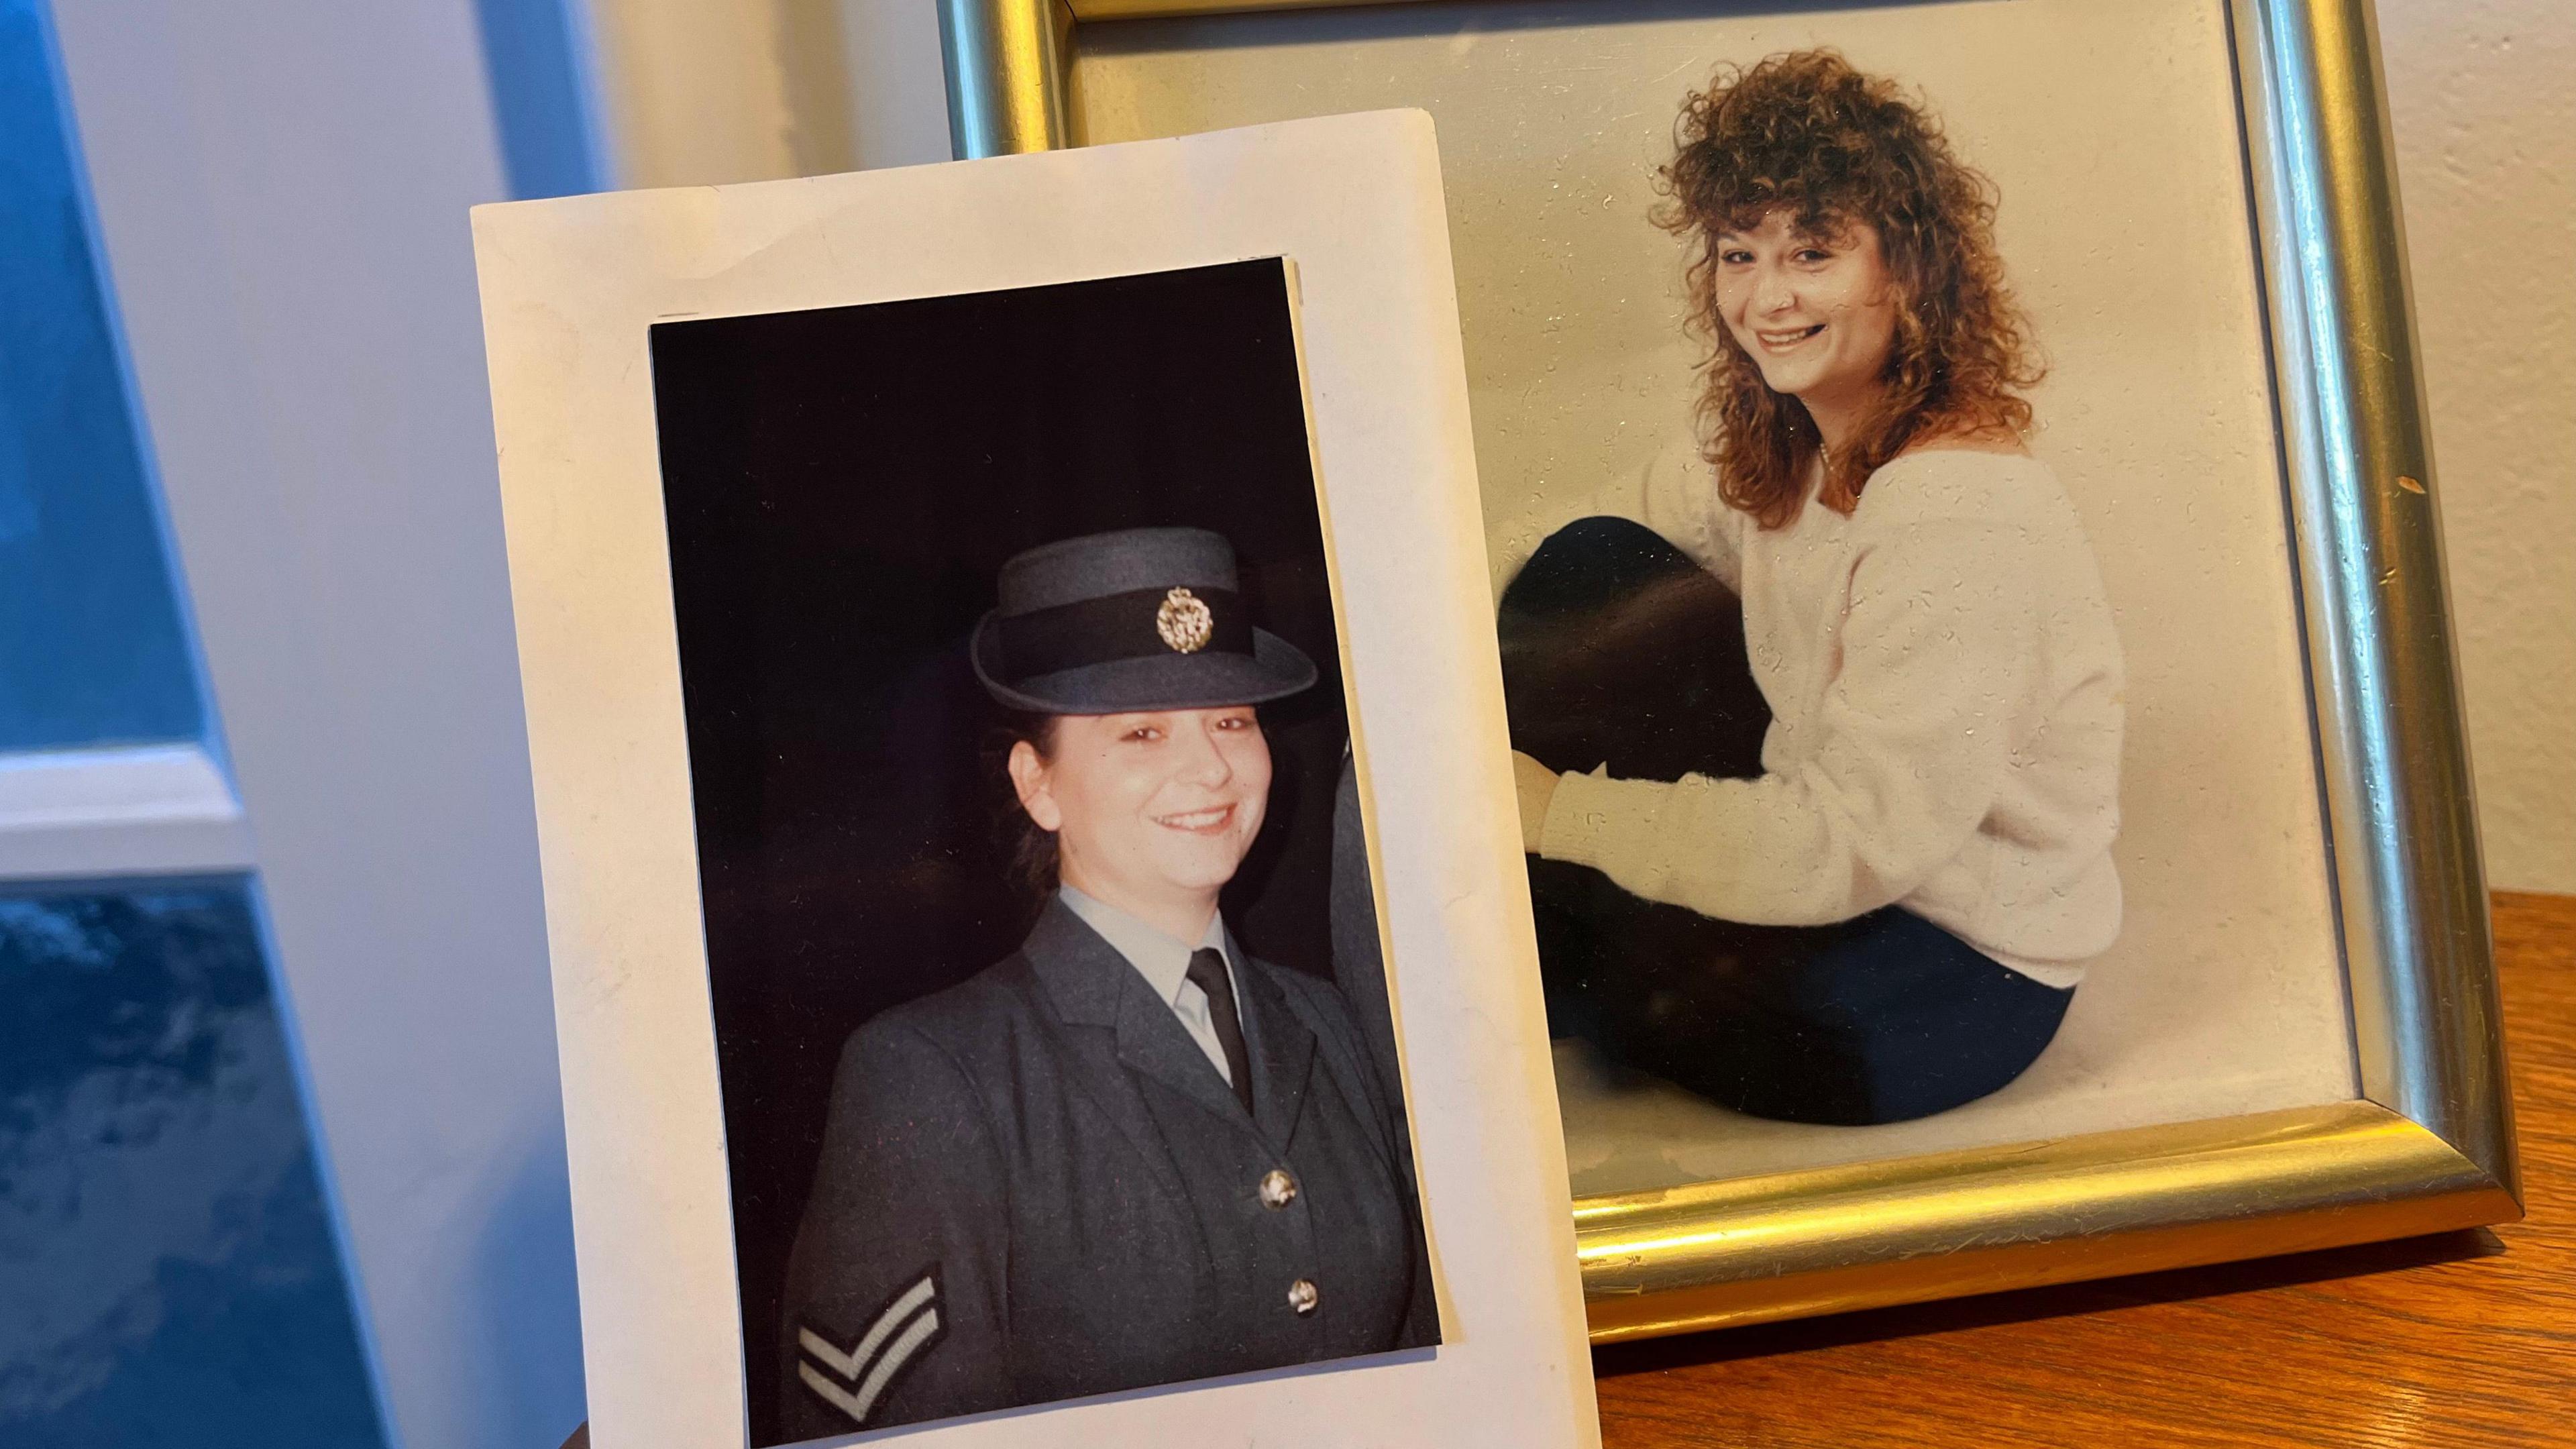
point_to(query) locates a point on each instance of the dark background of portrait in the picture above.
(842, 488)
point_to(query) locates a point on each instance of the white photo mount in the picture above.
(570, 289)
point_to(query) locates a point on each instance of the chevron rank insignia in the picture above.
(853, 1379)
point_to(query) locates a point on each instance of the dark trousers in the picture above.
(1617, 648)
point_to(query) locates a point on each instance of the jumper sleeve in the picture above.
(895, 1302)
(1938, 650)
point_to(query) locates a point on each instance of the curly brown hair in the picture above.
(1806, 133)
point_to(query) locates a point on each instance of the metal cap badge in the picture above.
(1184, 622)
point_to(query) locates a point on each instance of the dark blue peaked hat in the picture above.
(1140, 619)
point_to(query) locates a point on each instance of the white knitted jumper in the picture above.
(1946, 692)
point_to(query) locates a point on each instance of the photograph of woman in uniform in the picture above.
(1130, 1153)
(1819, 720)
(1051, 1014)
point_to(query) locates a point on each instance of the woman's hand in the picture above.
(1536, 785)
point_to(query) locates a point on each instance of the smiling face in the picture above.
(1152, 812)
(1817, 314)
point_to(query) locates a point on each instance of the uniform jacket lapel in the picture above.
(1095, 992)
(1281, 1048)
(1153, 1041)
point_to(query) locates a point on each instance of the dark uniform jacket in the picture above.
(1359, 967)
(1035, 1186)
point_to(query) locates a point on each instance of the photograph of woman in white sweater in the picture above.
(1818, 720)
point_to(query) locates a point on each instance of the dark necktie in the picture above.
(1207, 973)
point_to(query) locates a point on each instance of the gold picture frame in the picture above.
(2428, 1146)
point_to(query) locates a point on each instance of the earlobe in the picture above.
(1029, 778)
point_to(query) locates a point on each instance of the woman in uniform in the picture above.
(1129, 1153)
(1901, 867)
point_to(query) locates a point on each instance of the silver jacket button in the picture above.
(1302, 1296)
(1278, 1189)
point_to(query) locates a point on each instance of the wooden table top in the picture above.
(2456, 1341)
(2461, 1340)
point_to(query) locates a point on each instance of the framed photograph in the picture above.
(1020, 757)
(1960, 522)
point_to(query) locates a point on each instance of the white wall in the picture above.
(2484, 93)
(754, 90)
(282, 191)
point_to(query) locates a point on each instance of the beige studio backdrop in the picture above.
(2110, 128)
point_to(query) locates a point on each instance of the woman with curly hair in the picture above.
(1890, 816)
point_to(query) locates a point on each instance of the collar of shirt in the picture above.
(1161, 958)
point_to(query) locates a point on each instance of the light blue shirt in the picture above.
(1164, 961)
